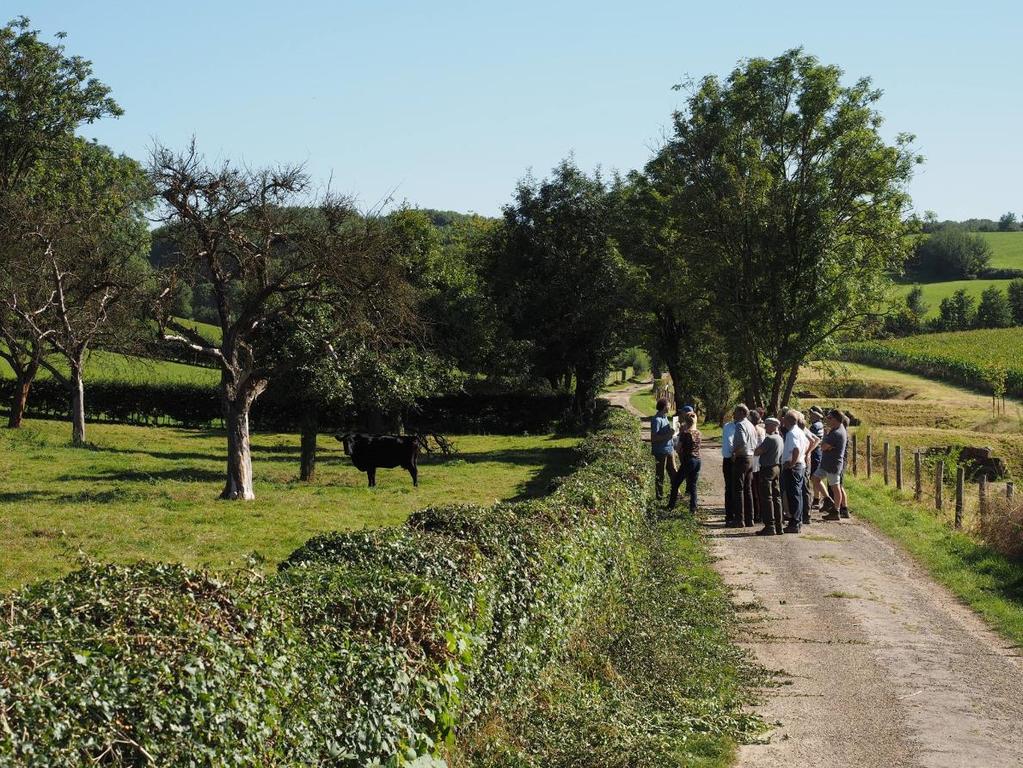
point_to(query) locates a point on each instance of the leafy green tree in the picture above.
(558, 280)
(45, 95)
(1008, 222)
(994, 310)
(672, 306)
(267, 259)
(1015, 294)
(90, 236)
(951, 253)
(783, 184)
(957, 312)
(910, 318)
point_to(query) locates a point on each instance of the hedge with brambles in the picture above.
(365, 648)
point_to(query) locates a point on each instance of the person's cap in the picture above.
(688, 409)
(772, 420)
(816, 411)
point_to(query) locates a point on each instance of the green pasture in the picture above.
(1006, 249)
(920, 412)
(933, 293)
(151, 493)
(109, 366)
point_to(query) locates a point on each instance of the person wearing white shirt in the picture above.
(794, 458)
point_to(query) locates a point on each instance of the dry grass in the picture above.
(1001, 526)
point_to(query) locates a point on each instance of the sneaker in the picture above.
(767, 531)
(832, 516)
(844, 512)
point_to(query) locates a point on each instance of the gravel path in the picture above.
(879, 666)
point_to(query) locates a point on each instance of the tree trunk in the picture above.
(310, 426)
(776, 394)
(790, 384)
(239, 452)
(584, 401)
(77, 386)
(18, 401)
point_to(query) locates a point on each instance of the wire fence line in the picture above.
(933, 480)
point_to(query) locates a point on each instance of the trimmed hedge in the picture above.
(195, 405)
(365, 648)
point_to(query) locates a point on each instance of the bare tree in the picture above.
(83, 264)
(45, 94)
(268, 258)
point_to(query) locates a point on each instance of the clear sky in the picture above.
(446, 104)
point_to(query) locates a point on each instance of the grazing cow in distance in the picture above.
(371, 451)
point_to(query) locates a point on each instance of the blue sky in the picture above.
(447, 104)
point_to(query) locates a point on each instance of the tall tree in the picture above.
(1015, 292)
(672, 305)
(265, 258)
(45, 95)
(994, 310)
(957, 312)
(89, 237)
(795, 203)
(558, 279)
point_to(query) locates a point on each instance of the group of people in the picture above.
(776, 470)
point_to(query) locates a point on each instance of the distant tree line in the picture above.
(1007, 222)
(961, 311)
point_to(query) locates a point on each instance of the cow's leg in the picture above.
(414, 471)
(372, 475)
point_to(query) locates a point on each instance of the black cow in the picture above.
(371, 451)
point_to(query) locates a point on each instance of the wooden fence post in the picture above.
(898, 467)
(1008, 490)
(918, 492)
(886, 462)
(960, 482)
(939, 482)
(855, 453)
(870, 465)
(982, 495)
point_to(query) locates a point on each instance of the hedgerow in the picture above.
(365, 648)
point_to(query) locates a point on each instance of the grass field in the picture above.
(922, 413)
(108, 366)
(1007, 249)
(1007, 253)
(934, 292)
(151, 493)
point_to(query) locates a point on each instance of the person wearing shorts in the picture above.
(828, 477)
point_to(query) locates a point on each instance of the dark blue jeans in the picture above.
(690, 472)
(795, 481)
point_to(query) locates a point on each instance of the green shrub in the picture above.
(365, 647)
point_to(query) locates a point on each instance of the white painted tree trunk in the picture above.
(77, 406)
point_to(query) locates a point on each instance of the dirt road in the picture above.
(879, 665)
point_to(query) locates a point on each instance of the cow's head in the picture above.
(347, 440)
